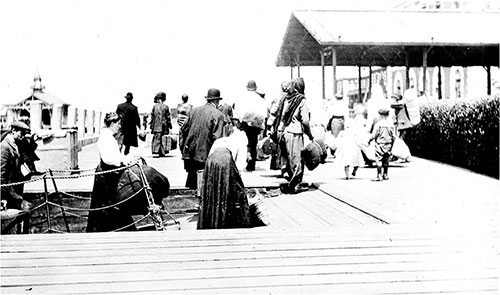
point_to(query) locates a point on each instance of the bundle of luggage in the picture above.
(314, 153)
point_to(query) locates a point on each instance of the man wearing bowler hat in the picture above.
(130, 121)
(204, 125)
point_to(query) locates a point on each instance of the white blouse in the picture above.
(109, 149)
(237, 144)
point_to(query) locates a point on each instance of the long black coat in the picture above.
(204, 125)
(130, 121)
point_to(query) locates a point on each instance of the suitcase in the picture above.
(169, 142)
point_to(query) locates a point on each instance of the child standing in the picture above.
(348, 152)
(384, 134)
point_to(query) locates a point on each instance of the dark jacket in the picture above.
(160, 119)
(11, 172)
(130, 121)
(204, 125)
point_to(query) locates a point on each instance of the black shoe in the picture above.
(385, 177)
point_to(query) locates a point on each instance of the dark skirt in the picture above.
(104, 194)
(224, 202)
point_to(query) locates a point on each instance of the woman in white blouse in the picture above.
(104, 191)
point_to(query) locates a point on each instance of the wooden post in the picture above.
(322, 72)
(424, 74)
(488, 76)
(407, 70)
(440, 93)
(360, 98)
(334, 68)
(370, 81)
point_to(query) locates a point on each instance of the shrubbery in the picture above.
(460, 133)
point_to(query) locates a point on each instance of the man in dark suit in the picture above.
(130, 121)
(204, 125)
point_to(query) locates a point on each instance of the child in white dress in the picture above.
(348, 150)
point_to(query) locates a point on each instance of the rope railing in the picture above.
(154, 210)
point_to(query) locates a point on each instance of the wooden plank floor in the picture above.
(380, 259)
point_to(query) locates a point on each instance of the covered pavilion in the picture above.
(390, 38)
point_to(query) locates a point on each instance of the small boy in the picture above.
(384, 134)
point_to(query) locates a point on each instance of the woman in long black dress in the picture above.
(224, 202)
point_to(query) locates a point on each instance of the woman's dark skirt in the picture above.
(224, 202)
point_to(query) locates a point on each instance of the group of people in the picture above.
(361, 139)
(220, 140)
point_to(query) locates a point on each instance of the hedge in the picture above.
(460, 133)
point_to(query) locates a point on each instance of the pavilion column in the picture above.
(81, 122)
(56, 119)
(322, 52)
(370, 81)
(36, 115)
(424, 66)
(334, 68)
(407, 70)
(360, 95)
(488, 82)
(440, 92)
(72, 116)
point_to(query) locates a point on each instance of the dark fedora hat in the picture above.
(129, 95)
(251, 85)
(213, 94)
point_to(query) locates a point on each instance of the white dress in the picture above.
(348, 151)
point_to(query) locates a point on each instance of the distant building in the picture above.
(22, 109)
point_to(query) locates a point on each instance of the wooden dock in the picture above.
(430, 229)
(383, 259)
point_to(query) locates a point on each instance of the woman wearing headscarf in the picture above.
(293, 114)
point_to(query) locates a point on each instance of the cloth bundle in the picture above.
(314, 153)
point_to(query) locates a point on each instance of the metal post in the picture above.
(60, 200)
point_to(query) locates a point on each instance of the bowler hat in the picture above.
(129, 95)
(20, 126)
(251, 85)
(383, 111)
(213, 94)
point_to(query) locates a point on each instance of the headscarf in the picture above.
(294, 99)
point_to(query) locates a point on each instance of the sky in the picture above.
(91, 53)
